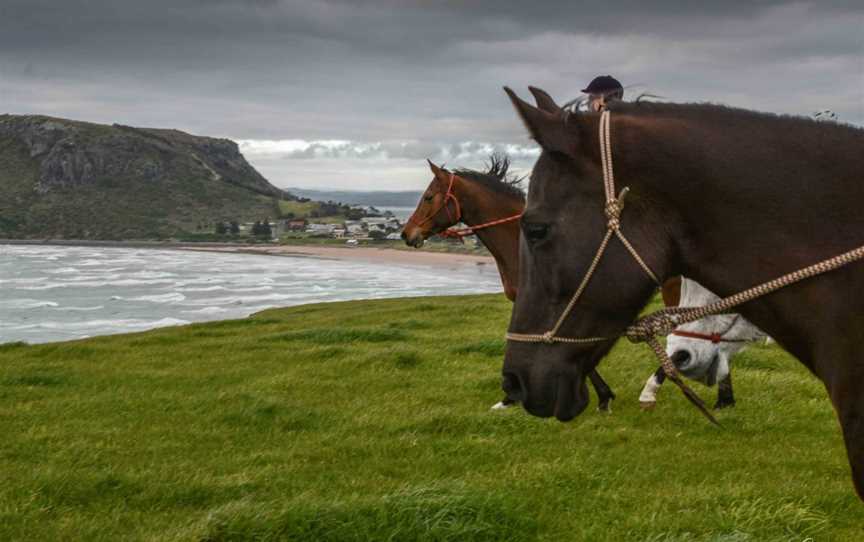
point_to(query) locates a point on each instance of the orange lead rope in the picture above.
(464, 232)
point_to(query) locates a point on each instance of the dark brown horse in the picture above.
(482, 198)
(794, 188)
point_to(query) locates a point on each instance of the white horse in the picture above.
(701, 350)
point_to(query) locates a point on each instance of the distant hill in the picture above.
(77, 180)
(408, 198)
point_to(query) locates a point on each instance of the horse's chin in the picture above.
(416, 242)
(570, 399)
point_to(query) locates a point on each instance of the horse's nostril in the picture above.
(404, 236)
(680, 358)
(512, 386)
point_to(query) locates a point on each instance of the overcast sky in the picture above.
(356, 94)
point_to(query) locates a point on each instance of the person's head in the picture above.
(601, 90)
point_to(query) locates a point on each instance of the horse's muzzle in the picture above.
(563, 395)
(413, 238)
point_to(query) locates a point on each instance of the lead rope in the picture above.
(665, 320)
(458, 233)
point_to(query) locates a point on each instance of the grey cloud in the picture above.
(376, 72)
(466, 152)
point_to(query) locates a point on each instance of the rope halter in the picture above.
(649, 329)
(664, 321)
(713, 338)
(453, 220)
(613, 208)
(449, 195)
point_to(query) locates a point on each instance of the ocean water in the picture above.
(54, 293)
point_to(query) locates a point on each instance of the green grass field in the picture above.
(369, 421)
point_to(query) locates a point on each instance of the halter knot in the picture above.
(613, 214)
(614, 207)
(549, 337)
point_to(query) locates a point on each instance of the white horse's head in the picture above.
(701, 350)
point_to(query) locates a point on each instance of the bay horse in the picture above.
(794, 186)
(479, 198)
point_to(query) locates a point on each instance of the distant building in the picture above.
(297, 224)
(320, 230)
(354, 229)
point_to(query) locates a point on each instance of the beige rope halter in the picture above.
(613, 208)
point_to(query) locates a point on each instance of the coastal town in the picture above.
(362, 225)
(385, 227)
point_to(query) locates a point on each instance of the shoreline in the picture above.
(362, 253)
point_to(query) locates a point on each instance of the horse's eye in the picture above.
(535, 231)
(427, 199)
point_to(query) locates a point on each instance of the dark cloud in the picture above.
(411, 75)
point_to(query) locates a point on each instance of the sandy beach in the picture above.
(362, 253)
(370, 254)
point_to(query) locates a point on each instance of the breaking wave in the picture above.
(50, 293)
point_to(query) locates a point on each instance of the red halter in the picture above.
(715, 338)
(458, 233)
(447, 196)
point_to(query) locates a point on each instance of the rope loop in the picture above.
(649, 327)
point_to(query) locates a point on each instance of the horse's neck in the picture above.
(737, 205)
(501, 240)
(733, 195)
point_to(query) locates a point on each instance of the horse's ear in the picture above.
(548, 129)
(437, 171)
(544, 101)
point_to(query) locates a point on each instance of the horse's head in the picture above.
(437, 210)
(563, 225)
(701, 350)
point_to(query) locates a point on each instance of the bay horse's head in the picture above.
(565, 221)
(437, 210)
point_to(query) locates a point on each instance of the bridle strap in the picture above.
(464, 232)
(715, 338)
(449, 195)
(460, 232)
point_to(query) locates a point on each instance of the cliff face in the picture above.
(62, 178)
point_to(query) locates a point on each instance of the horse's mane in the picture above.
(497, 176)
(720, 113)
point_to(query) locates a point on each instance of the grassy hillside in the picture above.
(77, 180)
(369, 421)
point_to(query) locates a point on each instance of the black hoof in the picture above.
(724, 404)
(605, 405)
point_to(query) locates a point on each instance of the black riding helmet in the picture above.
(605, 85)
